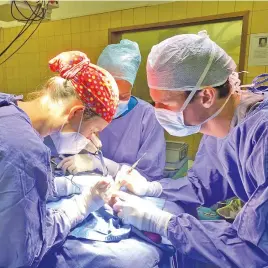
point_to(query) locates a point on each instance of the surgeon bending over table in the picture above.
(196, 89)
(28, 229)
(134, 130)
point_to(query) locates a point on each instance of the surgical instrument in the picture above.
(136, 163)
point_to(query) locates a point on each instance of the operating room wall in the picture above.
(28, 69)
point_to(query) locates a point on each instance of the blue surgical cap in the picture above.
(121, 60)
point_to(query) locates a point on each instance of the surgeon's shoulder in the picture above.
(261, 123)
(148, 116)
(255, 125)
(146, 108)
(18, 137)
(260, 114)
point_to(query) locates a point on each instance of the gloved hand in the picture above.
(66, 186)
(80, 206)
(142, 214)
(136, 183)
(77, 163)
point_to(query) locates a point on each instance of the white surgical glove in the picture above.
(77, 163)
(136, 183)
(64, 187)
(80, 206)
(142, 214)
(68, 185)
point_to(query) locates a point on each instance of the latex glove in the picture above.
(77, 163)
(64, 187)
(142, 214)
(136, 183)
(68, 185)
(80, 206)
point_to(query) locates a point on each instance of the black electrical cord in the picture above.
(28, 23)
(21, 44)
(13, 3)
(25, 27)
(23, 30)
(37, 15)
(33, 11)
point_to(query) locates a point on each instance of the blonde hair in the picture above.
(59, 88)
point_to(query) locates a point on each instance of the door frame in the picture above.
(115, 34)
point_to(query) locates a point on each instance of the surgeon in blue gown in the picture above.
(134, 130)
(28, 228)
(196, 89)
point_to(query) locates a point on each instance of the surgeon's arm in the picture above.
(237, 245)
(27, 230)
(192, 190)
(216, 242)
(203, 185)
(244, 242)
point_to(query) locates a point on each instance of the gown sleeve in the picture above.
(242, 243)
(27, 229)
(204, 184)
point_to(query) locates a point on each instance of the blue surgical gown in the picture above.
(27, 229)
(236, 165)
(128, 137)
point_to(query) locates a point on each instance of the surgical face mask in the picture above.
(122, 107)
(69, 142)
(173, 122)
